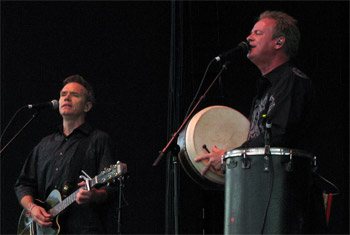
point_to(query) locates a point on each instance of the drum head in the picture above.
(216, 125)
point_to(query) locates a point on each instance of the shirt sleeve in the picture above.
(26, 183)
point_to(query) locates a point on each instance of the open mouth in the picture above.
(66, 105)
(251, 48)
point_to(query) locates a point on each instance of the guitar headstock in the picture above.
(110, 174)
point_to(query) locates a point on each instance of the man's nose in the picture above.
(67, 97)
(249, 38)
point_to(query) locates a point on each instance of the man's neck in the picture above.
(271, 65)
(70, 125)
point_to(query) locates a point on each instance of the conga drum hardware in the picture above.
(289, 166)
(314, 164)
(245, 161)
(266, 163)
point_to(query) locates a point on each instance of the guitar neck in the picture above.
(57, 209)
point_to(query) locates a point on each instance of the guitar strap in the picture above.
(77, 164)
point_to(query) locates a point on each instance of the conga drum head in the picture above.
(215, 125)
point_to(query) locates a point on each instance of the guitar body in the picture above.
(26, 225)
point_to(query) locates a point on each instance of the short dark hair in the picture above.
(79, 79)
(285, 26)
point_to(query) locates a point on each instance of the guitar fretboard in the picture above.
(56, 210)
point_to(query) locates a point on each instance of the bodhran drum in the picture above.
(215, 125)
(267, 195)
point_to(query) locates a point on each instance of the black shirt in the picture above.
(49, 167)
(284, 95)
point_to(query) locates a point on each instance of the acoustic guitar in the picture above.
(55, 206)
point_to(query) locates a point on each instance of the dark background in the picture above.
(123, 50)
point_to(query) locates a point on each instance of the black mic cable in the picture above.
(243, 47)
(199, 88)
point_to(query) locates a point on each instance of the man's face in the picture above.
(261, 42)
(73, 101)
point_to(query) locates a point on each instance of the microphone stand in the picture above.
(268, 166)
(175, 135)
(171, 146)
(15, 136)
(121, 185)
(268, 135)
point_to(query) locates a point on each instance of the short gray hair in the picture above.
(285, 26)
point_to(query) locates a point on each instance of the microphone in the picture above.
(242, 48)
(53, 104)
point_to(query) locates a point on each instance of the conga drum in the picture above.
(215, 125)
(267, 194)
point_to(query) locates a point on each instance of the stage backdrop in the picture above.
(123, 49)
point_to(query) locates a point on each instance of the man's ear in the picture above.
(87, 106)
(280, 42)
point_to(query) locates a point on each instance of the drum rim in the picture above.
(187, 157)
(275, 151)
(212, 176)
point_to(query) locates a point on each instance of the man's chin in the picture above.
(67, 114)
(250, 57)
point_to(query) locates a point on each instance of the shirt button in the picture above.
(56, 169)
(61, 154)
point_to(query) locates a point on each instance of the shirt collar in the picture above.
(84, 128)
(276, 73)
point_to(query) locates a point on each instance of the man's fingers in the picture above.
(41, 213)
(201, 157)
(82, 183)
(43, 220)
(45, 214)
(205, 169)
(45, 224)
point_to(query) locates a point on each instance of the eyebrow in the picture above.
(72, 92)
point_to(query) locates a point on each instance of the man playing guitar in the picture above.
(57, 161)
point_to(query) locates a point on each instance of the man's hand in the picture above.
(41, 217)
(94, 195)
(125, 167)
(214, 159)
